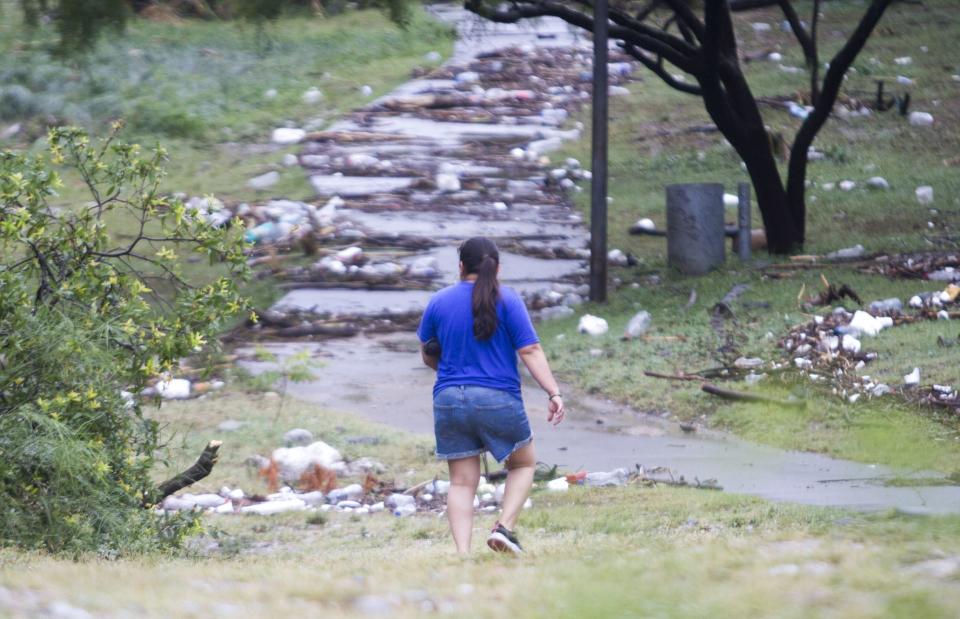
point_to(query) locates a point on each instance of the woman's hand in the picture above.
(556, 410)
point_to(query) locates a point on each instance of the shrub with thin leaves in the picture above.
(87, 318)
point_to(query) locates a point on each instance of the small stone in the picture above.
(312, 96)
(847, 185)
(878, 182)
(943, 315)
(903, 61)
(924, 194)
(921, 119)
(270, 93)
(284, 135)
(432, 56)
(774, 56)
(646, 224)
(902, 79)
(747, 363)
(298, 436)
(264, 181)
(616, 257)
(366, 90)
(760, 27)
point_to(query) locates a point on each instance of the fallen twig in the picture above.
(687, 377)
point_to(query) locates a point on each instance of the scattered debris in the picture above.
(637, 326)
(924, 194)
(592, 325)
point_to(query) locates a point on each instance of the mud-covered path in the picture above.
(448, 157)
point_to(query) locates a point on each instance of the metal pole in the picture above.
(743, 219)
(598, 196)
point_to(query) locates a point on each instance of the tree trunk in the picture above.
(752, 143)
(783, 236)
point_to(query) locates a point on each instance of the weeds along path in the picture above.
(461, 152)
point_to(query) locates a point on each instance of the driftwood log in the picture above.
(200, 469)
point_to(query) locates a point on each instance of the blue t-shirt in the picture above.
(463, 359)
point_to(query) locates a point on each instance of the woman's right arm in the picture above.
(428, 360)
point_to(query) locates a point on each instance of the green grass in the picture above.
(884, 144)
(206, 80)
(635, 551)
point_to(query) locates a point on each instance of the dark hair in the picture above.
(480, 256)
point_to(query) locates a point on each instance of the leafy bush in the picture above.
(81, 333)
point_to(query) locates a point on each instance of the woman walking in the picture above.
(480, 328)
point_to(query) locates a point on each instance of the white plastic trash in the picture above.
(559, 484)
(592, 325)
(396, 500)
(913, 378)
(638, 325)
(924, 194)
(174, 389)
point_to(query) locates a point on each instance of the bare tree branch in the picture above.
(807, 43)
(824, 103)
(656, 66)
(674, 49)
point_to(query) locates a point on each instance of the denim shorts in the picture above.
(469, 420)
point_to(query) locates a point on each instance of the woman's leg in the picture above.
(521, 465)
(464, 477)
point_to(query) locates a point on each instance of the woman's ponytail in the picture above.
(481, 257)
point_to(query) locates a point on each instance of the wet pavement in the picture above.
(382, 379)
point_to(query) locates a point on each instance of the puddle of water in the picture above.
(363, 375)
(357, 186)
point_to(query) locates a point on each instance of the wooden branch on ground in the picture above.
(725, 306)
(200, 469)
(687, 377)
(739, 396)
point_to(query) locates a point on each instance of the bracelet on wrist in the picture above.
(554, 395)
